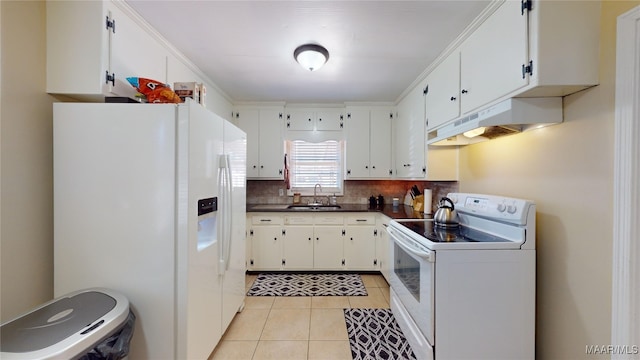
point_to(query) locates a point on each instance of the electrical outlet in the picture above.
(281, 192)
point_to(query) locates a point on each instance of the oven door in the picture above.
(412, 280)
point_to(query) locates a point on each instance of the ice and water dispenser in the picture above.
(207, 222)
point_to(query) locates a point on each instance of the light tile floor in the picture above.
(296, 327)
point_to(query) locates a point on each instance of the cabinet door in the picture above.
(401, 127)
(248, 255)
(267, 247)
(265, 146)
(298, 248)
(442, 98)
(410, 135)
(327, 250)
(382, 246)
(360, 248)
(300, 119)
(357, 157)
(329, 120)
(492, 57)
(380, 143)
(134, 52)
(249, 121)
(77, 48)
(271, 144)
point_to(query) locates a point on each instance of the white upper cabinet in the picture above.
(380, 134)
(368, 144)
(303, 119)
(358, 150)
(491, 58)
(77, 48)
(265, 144)
(307, 119)
(442, 92)
(410, 136)
(414, 158)
(135, 52)
(485, 67)
(331, 120)
(564, 46)
(548, 50)
(92, 47)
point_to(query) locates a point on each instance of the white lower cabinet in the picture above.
(267, 248)
(360, 242)
(297, 248)
(382, 245)
(265, 234)
(312, 241)
(328, 234)
(297, 244)
(327, 251)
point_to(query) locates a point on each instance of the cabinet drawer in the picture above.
(328, 220)
(266, 220)
(298, 220)
(365, 219)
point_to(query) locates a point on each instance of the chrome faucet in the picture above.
(315, 187)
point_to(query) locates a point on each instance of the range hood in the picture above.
(505, 118)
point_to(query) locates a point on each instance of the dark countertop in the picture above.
(399, 212)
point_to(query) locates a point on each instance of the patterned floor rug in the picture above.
(375, 334)
(308, 285)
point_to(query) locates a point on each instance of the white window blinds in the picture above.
(315, 163)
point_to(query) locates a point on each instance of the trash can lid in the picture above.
(55, 322)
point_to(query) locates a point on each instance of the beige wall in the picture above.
(26, 233)
(567, 169)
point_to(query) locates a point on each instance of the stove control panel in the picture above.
(490, 206)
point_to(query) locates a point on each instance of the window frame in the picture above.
(293, 163)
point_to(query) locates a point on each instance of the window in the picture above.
(312, 163)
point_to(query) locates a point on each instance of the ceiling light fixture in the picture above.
(311, 56)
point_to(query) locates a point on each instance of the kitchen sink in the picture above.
(316, 207)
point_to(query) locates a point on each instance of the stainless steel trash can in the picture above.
(66, 327)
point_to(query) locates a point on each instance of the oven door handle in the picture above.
(405, 244)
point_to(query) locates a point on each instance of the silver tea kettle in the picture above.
(446, 215)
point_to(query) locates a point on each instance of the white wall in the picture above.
(567, 169)
(26, 202)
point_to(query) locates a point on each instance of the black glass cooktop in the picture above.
(434, 233)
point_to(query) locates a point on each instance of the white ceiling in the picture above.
(377, 48)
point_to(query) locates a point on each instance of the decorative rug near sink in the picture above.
(375, 334)
(308, 285)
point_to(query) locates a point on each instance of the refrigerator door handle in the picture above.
(222, 231)
(224, 187)
(229, 216)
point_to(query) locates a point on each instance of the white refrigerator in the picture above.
(149, 200)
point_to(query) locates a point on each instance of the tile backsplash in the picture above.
(355, 191)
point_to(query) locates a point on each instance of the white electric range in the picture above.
(467, 292)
